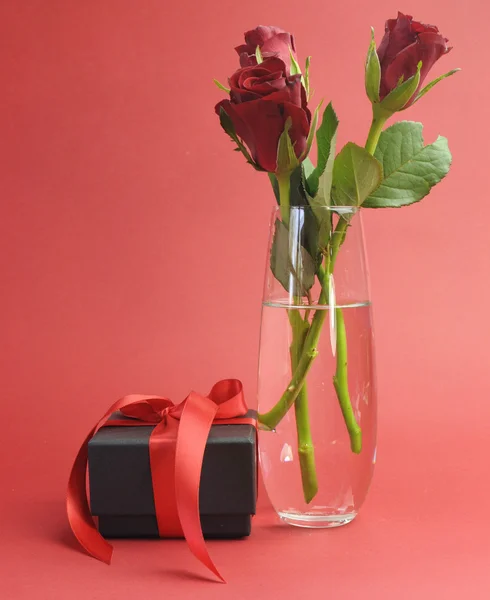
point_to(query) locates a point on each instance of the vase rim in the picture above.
(331, 208)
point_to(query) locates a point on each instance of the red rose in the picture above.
(272, 41)
(405, 43)
(262, 98)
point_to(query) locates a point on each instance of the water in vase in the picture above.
(343, 477)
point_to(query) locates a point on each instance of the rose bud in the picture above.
(264, 101)
(408, 50)
(272, 42)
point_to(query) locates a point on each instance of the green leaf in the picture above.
(308, 168)
(311, 226)
(298, 194)
(373, 71)
(325, 139)
(434, 82)
(275, 185)
(323, 218)
(306, 77)
(221, 86)
(227, 125)
(319, 186)
(410, 168)
(356, 174)
(300, 197)
(311, 134)
(258, 55)
(325, 182)
(295, 69)
(398, 98)
(290, 263)
(287, 160)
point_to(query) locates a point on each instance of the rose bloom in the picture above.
(405, 43)
(262, 98)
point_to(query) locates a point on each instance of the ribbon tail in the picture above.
(77, 508)
(78, 511)
(195, 423)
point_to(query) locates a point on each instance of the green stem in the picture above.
(273, 417)
(341, 384)
(284, 183)
(306, 450)
(338, 238)
(299, 328)
(340, 380)
(377, 125)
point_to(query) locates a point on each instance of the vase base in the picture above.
(316, 521)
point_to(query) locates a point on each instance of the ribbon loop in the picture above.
(177, 445)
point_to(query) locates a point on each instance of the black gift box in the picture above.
(121, 493)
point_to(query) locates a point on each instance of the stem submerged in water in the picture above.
(300, 329)
(273, 417)
(341, 384)
(306, 450)
(284, 183)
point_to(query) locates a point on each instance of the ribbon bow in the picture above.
(175, 462)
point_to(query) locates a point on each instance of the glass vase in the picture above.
(316, 383)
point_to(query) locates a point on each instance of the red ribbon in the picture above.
(177, 446)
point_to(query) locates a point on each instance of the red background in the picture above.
(132, 249)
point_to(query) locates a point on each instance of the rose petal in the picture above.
(259, 35)
(259, 124)
(274, 64)
(241, 128)
(247, 60)
(304, 102)
(300, 127)
(272, 69)
(241, 49)
(277, 76)
(269, 77)
(432, 47)
(239, 95)
(271, 65)
(418, 27)
(291, 93)
(397, 37)
(279, 46)
(263, 87)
